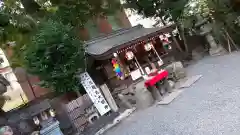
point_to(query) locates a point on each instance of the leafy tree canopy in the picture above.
(55, 55)
(44, 31)
(158, 8)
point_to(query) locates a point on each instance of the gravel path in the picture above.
(210, 107)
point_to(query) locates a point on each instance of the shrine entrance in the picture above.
(130, 54)
(138, 60)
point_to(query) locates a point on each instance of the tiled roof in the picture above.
(117, 39)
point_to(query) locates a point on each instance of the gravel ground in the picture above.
(210, 107)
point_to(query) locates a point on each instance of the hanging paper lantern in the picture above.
(164, 39)
(148, 46)
(115, 54)
(169, 47)
(113, 61)
(129, 55)
(165, 42)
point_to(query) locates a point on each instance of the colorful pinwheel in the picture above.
(117, 68)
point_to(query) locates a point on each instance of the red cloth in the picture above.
(151, 82)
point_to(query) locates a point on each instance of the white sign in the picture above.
(94, 93)
(147, 69)
(160, 62)
(136, 74)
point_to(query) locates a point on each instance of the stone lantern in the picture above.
(43, 116)
(204, 27)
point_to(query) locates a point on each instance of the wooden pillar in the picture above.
(142, 71)
(155, 51)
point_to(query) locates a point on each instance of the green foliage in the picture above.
(56, 55)
(20, 17)
(226, 17)
(15, 27)
(50, 49)
(158, 8)
(162, 10)
(78, 12)
(183, 12)
(222, 12)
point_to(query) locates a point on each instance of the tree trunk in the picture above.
(31, 6)
(182, 35)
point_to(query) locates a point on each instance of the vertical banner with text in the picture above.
(94, 93)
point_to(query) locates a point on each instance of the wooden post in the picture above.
(106, 92)
(142, 71)
(229, 46)
(231, 40)
(156, 53)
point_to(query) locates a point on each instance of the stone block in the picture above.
(125, 102)
(216, 51)
(144, 98)
(180, 73)
(171, 83)
(176, 70)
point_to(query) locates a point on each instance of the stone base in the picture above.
(217, 51)
(169, 98)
